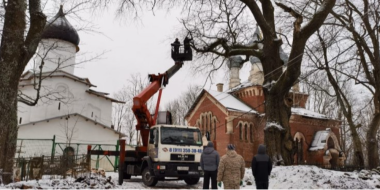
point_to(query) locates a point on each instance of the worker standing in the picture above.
(231, 169)
(209, 164)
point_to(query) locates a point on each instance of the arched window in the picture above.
(251, 132)
(214, 129)
(246, 132)
(240, 131)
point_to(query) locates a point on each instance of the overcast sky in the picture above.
(131, 47)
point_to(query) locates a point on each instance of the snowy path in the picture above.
(282, 177)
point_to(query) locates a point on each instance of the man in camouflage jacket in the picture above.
(231, 169)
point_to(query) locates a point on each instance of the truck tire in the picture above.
(191, 181)
(148, 179)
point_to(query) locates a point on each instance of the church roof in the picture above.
(60, 73)
(308, 113)
(235, 61)
(226, 100)
(230, 102)
(104, 95)
(60, 28)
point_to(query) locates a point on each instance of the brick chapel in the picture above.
(237, 116)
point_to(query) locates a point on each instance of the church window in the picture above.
(59, 106)
(214, 129)
(20, 120)
(92, 114)
(245, 132)
(251, 132)
(240, 131)
(225, 125)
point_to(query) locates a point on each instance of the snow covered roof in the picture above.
(319, 140)
(104, 95)
(308, 113)
(59, 73)
(225, 99)
(241, 85)
(230, 102)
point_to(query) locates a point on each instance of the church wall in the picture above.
(56, 53)
(247, 146)
(209, 107)
(308, 127)
(253, 96)
(85, 132)
(78, 101)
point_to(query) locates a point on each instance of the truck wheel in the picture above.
(125, 175)
(191, 181)
(148, 179)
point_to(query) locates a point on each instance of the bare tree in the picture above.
(123, 118)
(15, 52)
(348, 50)
(180, 106)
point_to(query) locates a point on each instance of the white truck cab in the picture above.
(174, 151)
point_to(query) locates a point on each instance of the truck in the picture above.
(168, 152)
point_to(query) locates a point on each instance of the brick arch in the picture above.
(300, 140)
(241, 126)
(333, 137)
(299, 136)
(207, 123)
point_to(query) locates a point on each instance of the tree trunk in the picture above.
(277, 132)
(372, 147)
(358, 150)
(12, 55)
(8, 127)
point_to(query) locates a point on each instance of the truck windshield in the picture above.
(185, 136)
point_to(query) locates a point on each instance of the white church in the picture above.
(69, 109)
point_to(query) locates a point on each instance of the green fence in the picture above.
(27, 148)
(108, 163)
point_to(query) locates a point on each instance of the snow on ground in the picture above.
(282, 177)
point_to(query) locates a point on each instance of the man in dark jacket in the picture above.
(209, 164)
(261, 168)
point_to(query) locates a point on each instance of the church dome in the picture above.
(235, 61)
(59, 28)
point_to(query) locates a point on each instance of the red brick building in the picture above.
(237, 116)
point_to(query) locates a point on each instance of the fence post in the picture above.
(53, 150)
(116, 157)
(97, 160)
(76, 156)
(121, 160)
(89, 157)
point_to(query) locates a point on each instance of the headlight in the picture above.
(199, 168)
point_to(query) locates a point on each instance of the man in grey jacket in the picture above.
(209, 164)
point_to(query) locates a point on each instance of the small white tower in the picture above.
(58, 45)
(234, 64)
(256, 74)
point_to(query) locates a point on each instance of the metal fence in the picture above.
(31, 168)
(28, 148)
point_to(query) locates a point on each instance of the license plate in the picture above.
(193, 173)
(183, 168)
